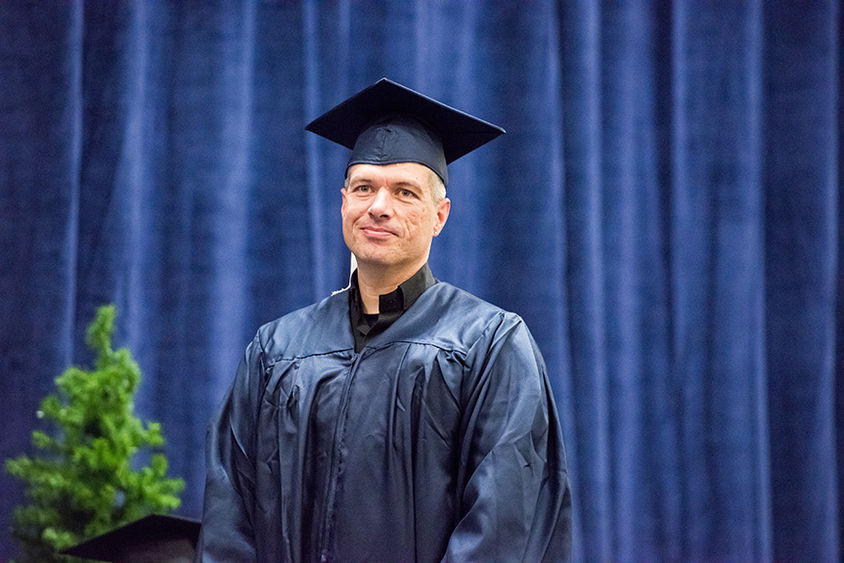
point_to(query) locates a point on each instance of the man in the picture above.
(401, 419)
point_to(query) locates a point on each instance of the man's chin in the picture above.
(375, 261)
(373, 253)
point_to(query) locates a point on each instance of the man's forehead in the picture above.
(396, 173)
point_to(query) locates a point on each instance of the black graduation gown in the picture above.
(438, 441)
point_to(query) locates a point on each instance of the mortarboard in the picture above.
(388, 123)
(156, 538)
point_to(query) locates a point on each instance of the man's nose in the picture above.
(382, 204)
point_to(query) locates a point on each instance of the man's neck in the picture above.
(374, 282)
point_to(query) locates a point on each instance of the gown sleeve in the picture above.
(227, 532)
(515, 503)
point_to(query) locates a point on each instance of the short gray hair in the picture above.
(437, 187)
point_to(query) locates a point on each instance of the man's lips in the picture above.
(377, 232)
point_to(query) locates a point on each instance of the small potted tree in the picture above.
(86, 478)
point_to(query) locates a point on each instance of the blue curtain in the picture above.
(665, 212)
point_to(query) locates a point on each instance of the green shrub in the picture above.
(83, 483)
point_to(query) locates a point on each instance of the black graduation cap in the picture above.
(154, 538)
(388, 123)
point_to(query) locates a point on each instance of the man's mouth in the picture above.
(377, 232)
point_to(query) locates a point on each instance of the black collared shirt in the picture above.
(391, 306)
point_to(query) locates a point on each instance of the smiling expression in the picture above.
(390, 216)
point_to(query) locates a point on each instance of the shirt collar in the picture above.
(404, 296)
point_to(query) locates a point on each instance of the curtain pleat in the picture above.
(802, 196)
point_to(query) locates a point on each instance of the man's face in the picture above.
(389, 214)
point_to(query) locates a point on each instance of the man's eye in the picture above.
(363, 188)
(407, 193)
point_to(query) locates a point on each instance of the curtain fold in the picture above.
(581, 101)
(717, 273)
(664, 212)
(802, 241)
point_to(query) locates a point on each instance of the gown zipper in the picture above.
(336, 461)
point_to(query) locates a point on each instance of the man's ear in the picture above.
(443, 209)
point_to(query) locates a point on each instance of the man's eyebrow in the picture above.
(402, 183)
(398, 184)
